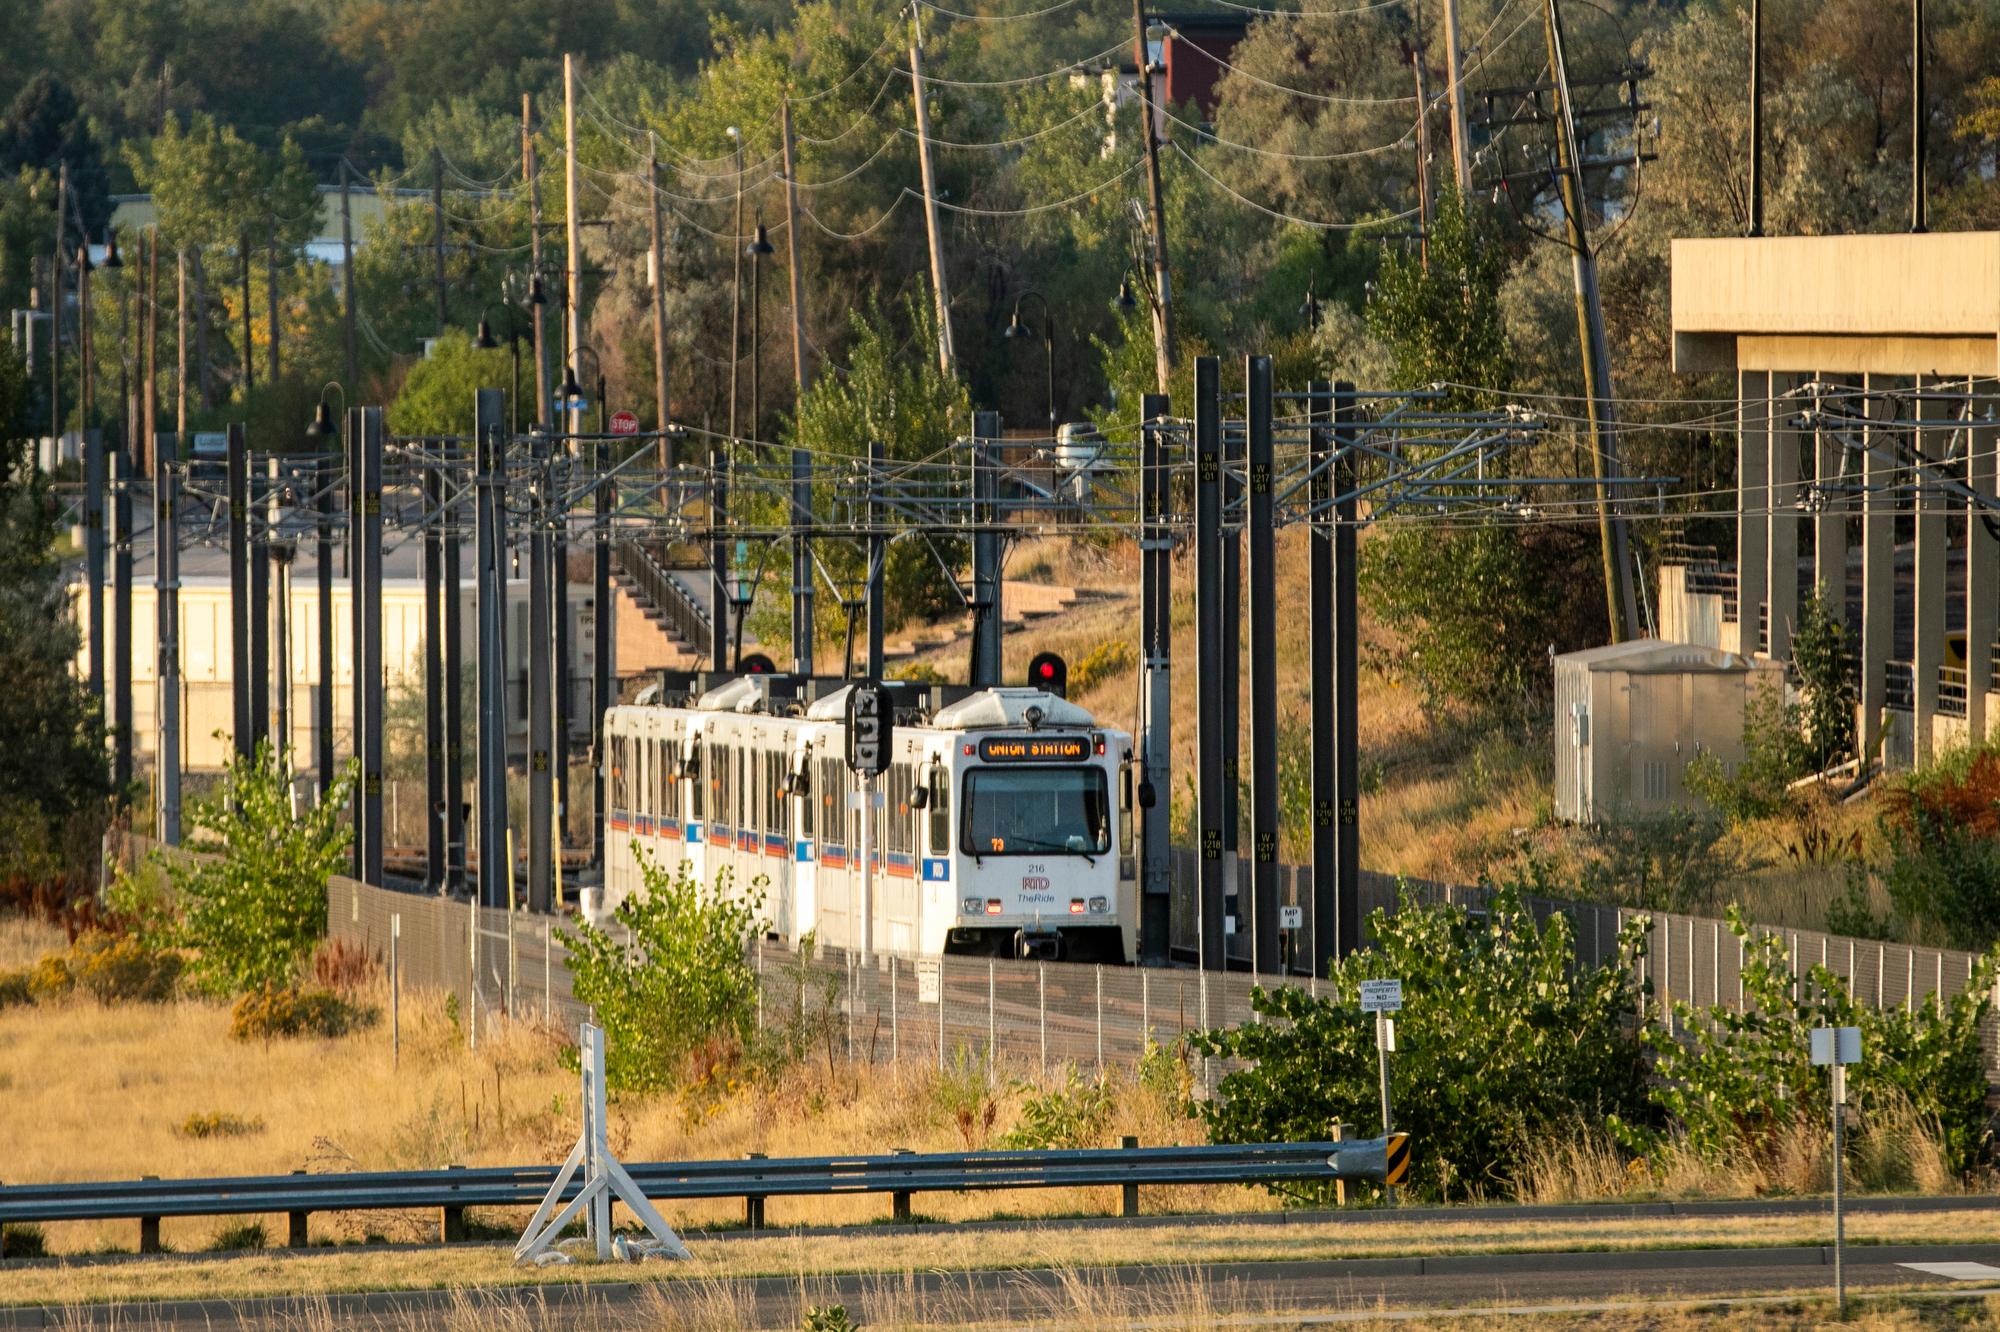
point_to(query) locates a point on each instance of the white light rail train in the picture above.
(1004, 821)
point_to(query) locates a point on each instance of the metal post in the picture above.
(260, 612)
(1156, 694)
(490, 579)
(1384, 1040)
(1042, 1010)
(1265, 959)
(1347, 678)
(1229, 670)
(1321, 632)
(604, 692)
(121, 622)
(802, 570)
(93, 550)
(435, 797)
(395, 990)
(365, 572)
(1839, 1072)
(865, 936)
(991, 1024)
(878, 556)
(453, 670)
(326, 470)
(541, 687)
(987, 625)
(1208, 656)
(719, 609)
(167, 627)
(239, 592)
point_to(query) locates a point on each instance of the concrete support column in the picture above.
(1932, 536)
(1753, 502)
(1878, 566)
(1830, 520)
(1982, 561)
(1783, 529)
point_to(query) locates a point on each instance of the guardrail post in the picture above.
(899, 1201)
(451, 1220)
(295, 1226)
(1129, 1203)
(753, 1203)
(1339, 1134)
(149, 1229)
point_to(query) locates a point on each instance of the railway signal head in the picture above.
(757, 664)
(870, 724)
(1049, 672)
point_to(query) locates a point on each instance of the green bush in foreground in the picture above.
(1735, 1082)
(682, 984)
(1505, 1035)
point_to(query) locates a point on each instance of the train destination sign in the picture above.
(1034, 749)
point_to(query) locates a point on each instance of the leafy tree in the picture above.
(438, 395)
(674, 979)
(1439, 314)
(46, 128)
(1505, 1035)
(1734, 1081)
(54, 772)
(252, 911)
(1941, 830)
(1824, 661)
(1774, 756)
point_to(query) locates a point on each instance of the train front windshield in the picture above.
(1036, 811)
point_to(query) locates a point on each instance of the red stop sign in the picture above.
(624, 423)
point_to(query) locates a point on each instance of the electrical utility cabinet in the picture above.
(1630, 717)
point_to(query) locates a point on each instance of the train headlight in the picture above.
(992, 906)
(1100, 905)
(971, 906)
(1076, 906)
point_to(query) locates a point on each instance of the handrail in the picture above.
(686, 614)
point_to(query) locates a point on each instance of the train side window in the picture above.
(940, 810)
(1125, 809)
(642, 767)
(806, 798)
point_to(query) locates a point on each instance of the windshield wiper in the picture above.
(1038, 844)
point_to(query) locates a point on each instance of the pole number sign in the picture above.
(1381, 996)
(870, 723)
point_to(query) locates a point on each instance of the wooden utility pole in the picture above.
(149, 418)
(573, 259)
(437, 231)
(56, 308)
(659, 276)
(735, 293)
(531, 174)
(348, 313)
(792, 252)
(180, 346)
(249, 343)
(1621, 608)
(271, 297)
(1163, 302)
(947, 356)
(1454, 70)
(85, 342)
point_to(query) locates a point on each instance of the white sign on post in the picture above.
(1382, 996)
(1291, 918)
(1836, 1045)
(927, 980)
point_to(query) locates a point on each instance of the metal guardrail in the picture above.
(1951, 695)
(684, 614)
(901, 1175)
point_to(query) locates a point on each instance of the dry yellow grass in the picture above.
(332, 1270)
(99, 1092)
(24, 940)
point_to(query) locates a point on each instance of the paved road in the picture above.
(1279, 1294)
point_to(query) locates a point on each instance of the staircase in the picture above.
(659, 626)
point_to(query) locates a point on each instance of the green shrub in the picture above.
(14, 988)
(1941, 830)
(1505, 1035)
(681, 983)
(19, 1241)
(1774, 755)
(1074, 1114)
(1735, 1082)
(277, 1010)
(252, 913)
(218, 1124)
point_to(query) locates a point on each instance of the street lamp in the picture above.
(322, 425)
(572, 389)
(1310, 311)
(485, 341)
(757, 249)
(1018, 331)
(1126, 300)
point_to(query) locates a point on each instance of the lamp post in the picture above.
(322, 437)
(485, 341)
(736, 284)
(1311, 311)
(1017, 331)
(757, 249)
